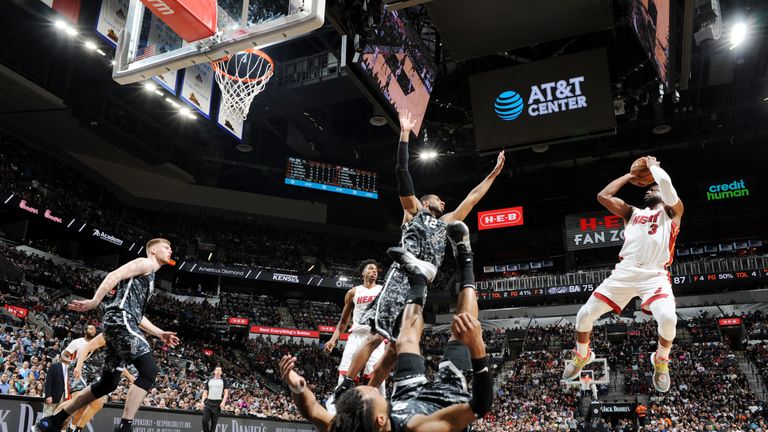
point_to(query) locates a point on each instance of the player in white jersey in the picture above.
(355, 302)
(649, 242)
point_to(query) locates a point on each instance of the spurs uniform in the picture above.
(424, 236)
(649, 243)
(359, 331)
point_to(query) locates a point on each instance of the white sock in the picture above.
(663, 352)
(582, 348)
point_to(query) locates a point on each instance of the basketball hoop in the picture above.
(241, 77)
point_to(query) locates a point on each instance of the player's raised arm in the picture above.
(457, 417)
(607, 197)
(137, 267)
(304, 399)
(405, 190)
(668, 192)
(476, 194)
(346, 314)
(84, 353)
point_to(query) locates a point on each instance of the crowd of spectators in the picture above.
(709, 391)
(36, 177)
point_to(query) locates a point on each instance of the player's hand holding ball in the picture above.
(641, 171)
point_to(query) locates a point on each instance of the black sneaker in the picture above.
(47, 424)
(347, 384)
(412, 265)
(458, 234)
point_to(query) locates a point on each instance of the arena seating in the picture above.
(37, 177)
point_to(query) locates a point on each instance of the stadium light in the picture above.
(60, 24)
(738, 34)
(103, 54)
(149, 86)
(185, 111)
(71, 31)
(91, 46)
(428, 155)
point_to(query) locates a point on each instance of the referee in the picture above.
(214, 398)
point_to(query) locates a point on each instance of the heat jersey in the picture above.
(649, 239)
(363, 297)
(424, 236)
(130, 300)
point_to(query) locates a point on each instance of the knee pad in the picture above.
(589, 313)
(147, 371)
(667, 322)
(106, 384)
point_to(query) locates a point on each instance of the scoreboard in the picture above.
(331, 178)
(702, 279)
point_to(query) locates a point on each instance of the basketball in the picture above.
(642, 175)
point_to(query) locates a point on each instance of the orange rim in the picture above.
(255, 51)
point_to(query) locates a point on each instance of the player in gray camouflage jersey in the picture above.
(88, 367)
(419, 255)
(417, 405)
(125, 344)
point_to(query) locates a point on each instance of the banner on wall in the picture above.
(17, 311)
(70, 223)
(255, 273)
(197, 88)
(279, 331)
(230, 123)
(111, 20)
(69, 9)
(20, 414)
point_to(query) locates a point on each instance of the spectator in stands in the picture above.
(4, 385)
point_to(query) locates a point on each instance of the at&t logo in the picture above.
(544, 99)
(509, 105)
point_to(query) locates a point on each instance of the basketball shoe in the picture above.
(412, 265)
(573, 369)
(661, 381)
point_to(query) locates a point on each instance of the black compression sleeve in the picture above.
(404, 182)
(482, 387)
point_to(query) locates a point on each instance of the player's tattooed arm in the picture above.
(476, 194)
(304, 399)
(607, 197)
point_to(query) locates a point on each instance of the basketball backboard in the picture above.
(147, 47)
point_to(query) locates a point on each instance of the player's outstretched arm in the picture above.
(607, 197)
(137, 267)
(668, 192)
(457, 417)
(86, 352)
(303, 398)
(408, 200)
(476, 194)
(346, 314)
(169, 338)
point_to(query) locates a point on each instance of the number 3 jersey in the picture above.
(649, 239)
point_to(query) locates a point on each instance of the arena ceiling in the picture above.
(328, 120)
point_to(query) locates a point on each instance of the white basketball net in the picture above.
(241, 77)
